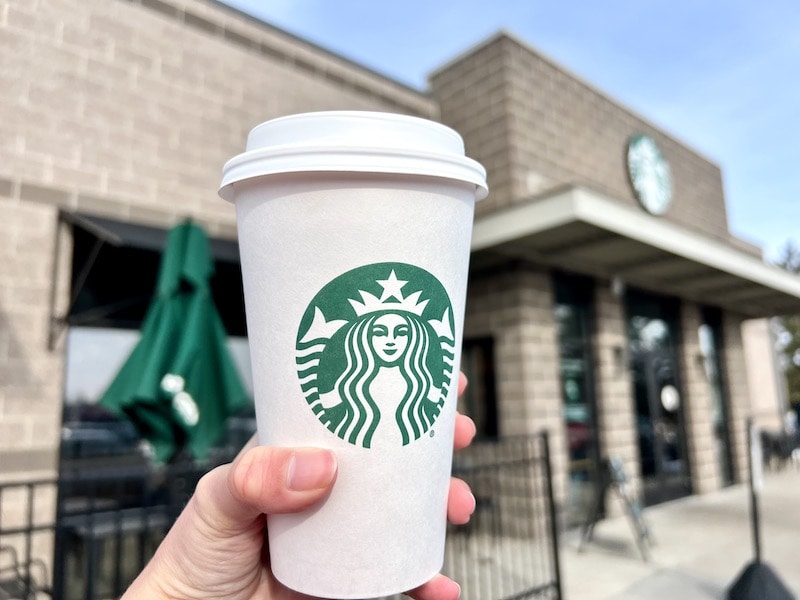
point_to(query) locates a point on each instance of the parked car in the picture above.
(91, 431)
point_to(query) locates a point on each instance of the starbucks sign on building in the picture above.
(650, 174)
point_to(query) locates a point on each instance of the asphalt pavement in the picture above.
(701, 545)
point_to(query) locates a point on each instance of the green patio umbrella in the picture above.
(179, 384)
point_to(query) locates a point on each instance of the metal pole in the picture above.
(753, 456)
(28, 539)
(59, 543)
(553, 519)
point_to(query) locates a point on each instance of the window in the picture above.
(480, 399)
(114, 274)
(573, 307)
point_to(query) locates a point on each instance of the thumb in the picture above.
(265, 480)
(226, 511)
(281, 480)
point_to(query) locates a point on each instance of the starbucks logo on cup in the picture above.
(375, 354)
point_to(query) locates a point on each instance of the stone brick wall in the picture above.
(128, 109)
(31, 376)
(767, 384)
(131, 108)
(697, 405)
(615, 404)
(537, 127)
(733, 358)
(472, 95)
(515, 308)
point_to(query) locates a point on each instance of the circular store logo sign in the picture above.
(375, 353)
(649, 174)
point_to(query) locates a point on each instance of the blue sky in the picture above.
(721, 76)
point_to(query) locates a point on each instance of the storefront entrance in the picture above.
(653, 344)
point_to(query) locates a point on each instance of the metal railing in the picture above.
(509, 549)
(23, 572)
(109, 522)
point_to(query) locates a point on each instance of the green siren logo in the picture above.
(375, 352)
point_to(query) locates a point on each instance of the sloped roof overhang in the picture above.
(585, 232)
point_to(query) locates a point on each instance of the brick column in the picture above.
(31, 374)
(615, 405)
(516, 309)
(738, 390)
(697, 405)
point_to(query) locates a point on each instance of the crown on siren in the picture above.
(391, 299)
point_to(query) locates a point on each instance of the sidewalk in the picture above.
(702, 543)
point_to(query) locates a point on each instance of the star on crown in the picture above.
(391, 298)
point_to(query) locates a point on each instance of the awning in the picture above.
(121, 233)
(113, 273)
(583, 231)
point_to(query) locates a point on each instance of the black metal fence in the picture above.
(509, 549)
(109, 522)
(23, 570)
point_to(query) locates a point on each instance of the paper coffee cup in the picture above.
(354, 233)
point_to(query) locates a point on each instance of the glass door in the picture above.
(652, 330)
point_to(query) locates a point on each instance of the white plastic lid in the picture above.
(364, 142)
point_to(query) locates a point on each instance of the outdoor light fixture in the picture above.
(620, 359)
(617, 286)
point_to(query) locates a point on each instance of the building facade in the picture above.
(611, 320)
(606, 281)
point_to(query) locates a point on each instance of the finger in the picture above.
(460, 502)
(251, 443)
(279, 480)
(464, 433)
(264, 480)
(462, 382)
(438, 588)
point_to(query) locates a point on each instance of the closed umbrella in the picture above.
(179, 384)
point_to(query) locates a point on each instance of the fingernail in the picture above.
(459, 589)
(311, 470)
